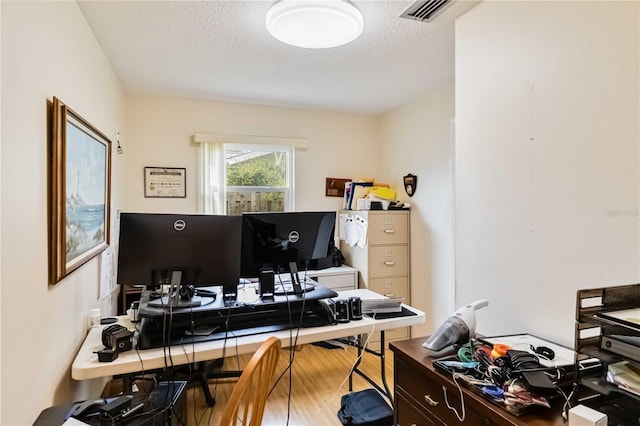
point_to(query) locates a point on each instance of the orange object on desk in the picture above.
(499, 350)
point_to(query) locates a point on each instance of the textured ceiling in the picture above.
(221, 50)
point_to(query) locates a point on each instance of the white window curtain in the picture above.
(211, 179)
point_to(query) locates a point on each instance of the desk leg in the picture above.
(354, 369)
(383, 372)
(383, 375)
(127, 383)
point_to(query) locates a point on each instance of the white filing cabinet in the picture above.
(337, 278)
(383, 263)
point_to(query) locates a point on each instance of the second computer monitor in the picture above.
(273, 240)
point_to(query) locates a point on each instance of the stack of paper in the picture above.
(625, 375)
(360, 189)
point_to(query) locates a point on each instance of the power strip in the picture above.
(380, 306)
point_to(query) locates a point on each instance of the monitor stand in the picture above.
(174, 301)
(297, 286)
(286, 289)
(177, 298)
(295, 278)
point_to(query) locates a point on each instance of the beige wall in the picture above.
(547, 137)
(416, 139)
(160, 133)
(47, 50)
(0, 226)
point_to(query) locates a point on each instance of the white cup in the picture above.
(94, 317)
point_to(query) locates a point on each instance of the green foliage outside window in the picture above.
(269, 169)
(259, 169)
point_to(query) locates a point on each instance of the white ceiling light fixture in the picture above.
(315, 24)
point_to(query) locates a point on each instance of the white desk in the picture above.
(86, 365)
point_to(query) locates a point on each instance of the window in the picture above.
(257, 178)
(246, 173)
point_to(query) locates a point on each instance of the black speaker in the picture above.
(342, 310)
(267, 284)
(355, 308)
(229, 293)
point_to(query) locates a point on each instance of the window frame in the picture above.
(211, 185)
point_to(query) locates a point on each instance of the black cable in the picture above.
(171, 378)
(138, 350)
(176, 415)
(293, 343)
(167, 327)
(166, 344)
(164, 331)
(224, 352)
(169, 334)
(107, 416)
(140, 358)
(291, 348)
(193, 357)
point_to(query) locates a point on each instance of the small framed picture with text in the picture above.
(165, 182)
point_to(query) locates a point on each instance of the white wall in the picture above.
(0, 228)
(47, 50)
(547, 136)
(416, 139)
(160, 131)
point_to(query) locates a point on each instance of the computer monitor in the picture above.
(182, 250)
(274, 240)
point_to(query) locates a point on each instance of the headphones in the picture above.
(186, 292)
(544, 352)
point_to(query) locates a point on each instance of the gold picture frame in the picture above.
(79, 191)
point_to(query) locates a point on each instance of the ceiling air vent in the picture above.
(426, 11)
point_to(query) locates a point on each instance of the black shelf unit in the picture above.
(592, 324)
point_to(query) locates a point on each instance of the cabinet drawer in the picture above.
(337, 281)
(429, 397)
(393, 287)
(387, 261)
(408, 415)
(388, 229)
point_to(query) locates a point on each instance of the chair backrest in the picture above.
(249, 396)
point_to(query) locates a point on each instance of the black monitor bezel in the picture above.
(142, 254)
(323, 242)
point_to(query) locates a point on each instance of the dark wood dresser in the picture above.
(420, 399)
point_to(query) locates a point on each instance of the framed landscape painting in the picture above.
(79, 191)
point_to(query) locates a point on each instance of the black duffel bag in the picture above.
(365, 408)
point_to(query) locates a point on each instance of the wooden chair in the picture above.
(249, 396)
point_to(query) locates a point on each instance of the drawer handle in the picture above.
(389, 263)
(389, 231)
(391, 295)
(432, 402)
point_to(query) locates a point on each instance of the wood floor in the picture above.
(320, 378)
